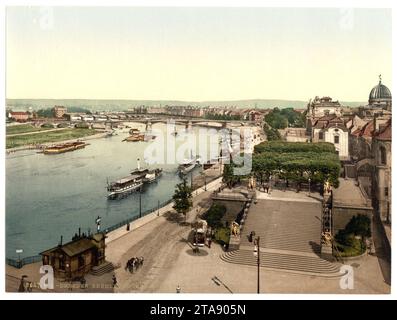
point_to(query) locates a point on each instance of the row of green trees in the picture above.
(296, 162)
(49, 113)
(283, 118)
(291, 147)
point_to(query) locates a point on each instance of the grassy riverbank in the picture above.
(23, 128)
(45, 137)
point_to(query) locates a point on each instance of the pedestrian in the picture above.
(178, 289)
(83, 283)
(114, 280)
(141, 261)
(209, 242)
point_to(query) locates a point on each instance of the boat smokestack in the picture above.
(139, 164)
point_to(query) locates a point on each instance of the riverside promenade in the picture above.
(158, 237)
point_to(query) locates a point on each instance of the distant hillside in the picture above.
(119, 105)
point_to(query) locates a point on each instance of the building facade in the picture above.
(331, 128)
(370, 149)
(19, 116)
(381, 151)
(76, 258)
(59, 111)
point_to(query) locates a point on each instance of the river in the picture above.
(52, 195)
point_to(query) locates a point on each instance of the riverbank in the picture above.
(156, 213)
(82, 135)
(12, 130)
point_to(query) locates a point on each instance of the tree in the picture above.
(228, 175)
(182, 198)
(214, 215)
(271, 134)
(280, 119)
(297, 161)
(45, 113)
(359, 225)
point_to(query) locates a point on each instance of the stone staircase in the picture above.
(102, 269)
(289, 234)
(297, 263)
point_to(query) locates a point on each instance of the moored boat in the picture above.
(188, 165)
(135, 138)
(64, 147)
(152, 175)
(125, 185)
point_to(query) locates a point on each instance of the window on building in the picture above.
(382, 155)
(321, 135)
(386, 191)
(336, 139)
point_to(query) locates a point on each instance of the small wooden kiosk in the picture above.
(74, 259)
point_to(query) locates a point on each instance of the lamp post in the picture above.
(19, 251)
(98, 223)
(257, 254)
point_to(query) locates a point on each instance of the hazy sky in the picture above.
(196, 53)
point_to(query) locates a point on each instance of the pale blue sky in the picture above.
(196, 53)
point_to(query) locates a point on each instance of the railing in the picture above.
(20, 263)
(32, 259)
(144, 213)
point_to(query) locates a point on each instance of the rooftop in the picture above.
(73, 248)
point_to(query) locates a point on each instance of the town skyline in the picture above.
(196, 54)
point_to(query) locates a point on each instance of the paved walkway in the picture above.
(169, 262)
(194, 274)
(159, 242)
(288, 195)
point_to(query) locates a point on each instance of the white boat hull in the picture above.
(128, 189)
(187, 169)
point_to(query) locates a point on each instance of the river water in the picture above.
(52, 195)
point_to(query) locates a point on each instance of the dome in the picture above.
(379, 93)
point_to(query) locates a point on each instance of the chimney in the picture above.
(60, 244)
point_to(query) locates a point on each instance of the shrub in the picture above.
(214, 215)
(222, 235)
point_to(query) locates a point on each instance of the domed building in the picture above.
(380, 96)
(379, 102)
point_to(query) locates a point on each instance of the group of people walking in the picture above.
(134, 263)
